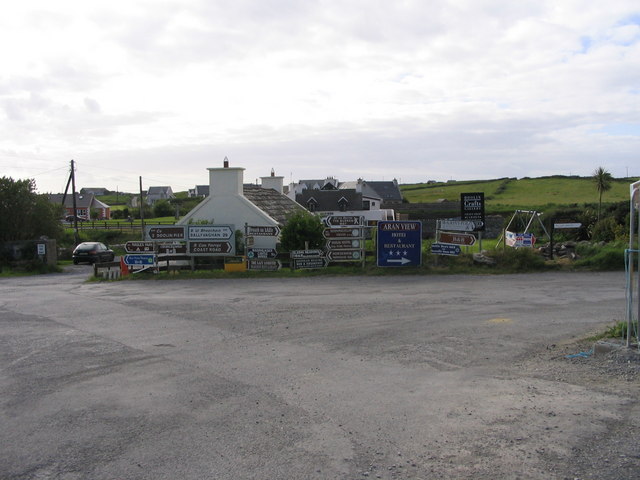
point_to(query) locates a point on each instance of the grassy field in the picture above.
(522, 193)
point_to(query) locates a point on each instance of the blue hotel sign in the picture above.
(399, 244)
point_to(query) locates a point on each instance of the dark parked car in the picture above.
(92, 252)
(70, 218)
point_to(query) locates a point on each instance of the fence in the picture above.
(111, 225)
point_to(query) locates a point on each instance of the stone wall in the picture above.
(428, 213)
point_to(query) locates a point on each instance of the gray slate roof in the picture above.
(328, 200)
(82, 201)
(273, 203)
(388, 191)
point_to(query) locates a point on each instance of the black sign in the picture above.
(263, 231)
(264, 264)
(256, 252)
(165, 233)
(472, 208)
(318, 262)
(209, 248)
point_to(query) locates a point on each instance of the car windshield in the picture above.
(87, 246)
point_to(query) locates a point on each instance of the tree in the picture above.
(162, 208)
(25, 215)
(302, 227)
(602, 178)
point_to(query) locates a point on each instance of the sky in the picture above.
(412, 90)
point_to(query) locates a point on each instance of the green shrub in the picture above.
(518, 259)
(302, 227)
(594, 257)
(619, 330)
(607, 230)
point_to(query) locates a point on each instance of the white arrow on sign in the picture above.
(401, 261)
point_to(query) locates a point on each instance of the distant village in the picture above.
(226, 193)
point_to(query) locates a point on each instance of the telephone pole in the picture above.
(141, 210)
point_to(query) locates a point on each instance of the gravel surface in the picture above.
(315, 378)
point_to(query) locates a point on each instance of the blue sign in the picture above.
(445, 249)
(142, 259)
(399, 244)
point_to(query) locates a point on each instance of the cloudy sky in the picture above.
(413, 90)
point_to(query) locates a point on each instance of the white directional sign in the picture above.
(209, 232)
(460, 225)
(566, 225)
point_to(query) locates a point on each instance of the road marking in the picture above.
(500, 320)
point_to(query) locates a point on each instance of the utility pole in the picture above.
(141, 210)
(76, 236)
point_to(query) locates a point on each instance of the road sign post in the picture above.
(262, 230)
(399, 244)
(472, 209)
(210, 232)
(264, 264)
(255, 252)
(466, 239)
(210, 248)
(445, 249)
(165, 232)
(344, 220)
(139, 247)
(145, 259)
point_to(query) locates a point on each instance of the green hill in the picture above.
(524, 193)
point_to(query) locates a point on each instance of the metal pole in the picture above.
(141, 210)
(76, 236)
(637, 194)
(634, 192)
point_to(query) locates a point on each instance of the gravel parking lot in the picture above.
(392, 377)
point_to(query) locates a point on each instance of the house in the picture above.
(85, 205)
(388, 191)
(159, 193)
(230, 202)
(323, 201)
(199, 191)
(329, 197)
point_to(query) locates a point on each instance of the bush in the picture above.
(607, 230)
(519, 259)
(302, 227)
(162, 208)
(609, 257)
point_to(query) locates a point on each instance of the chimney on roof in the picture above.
(226, 180)
(276, 183)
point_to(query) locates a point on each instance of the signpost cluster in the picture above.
(452, 234)
(345, 238)
(262, 258)
(180, 240)
(398, 243)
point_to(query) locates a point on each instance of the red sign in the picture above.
(458, 238)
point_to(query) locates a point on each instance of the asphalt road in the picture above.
(309, 378)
